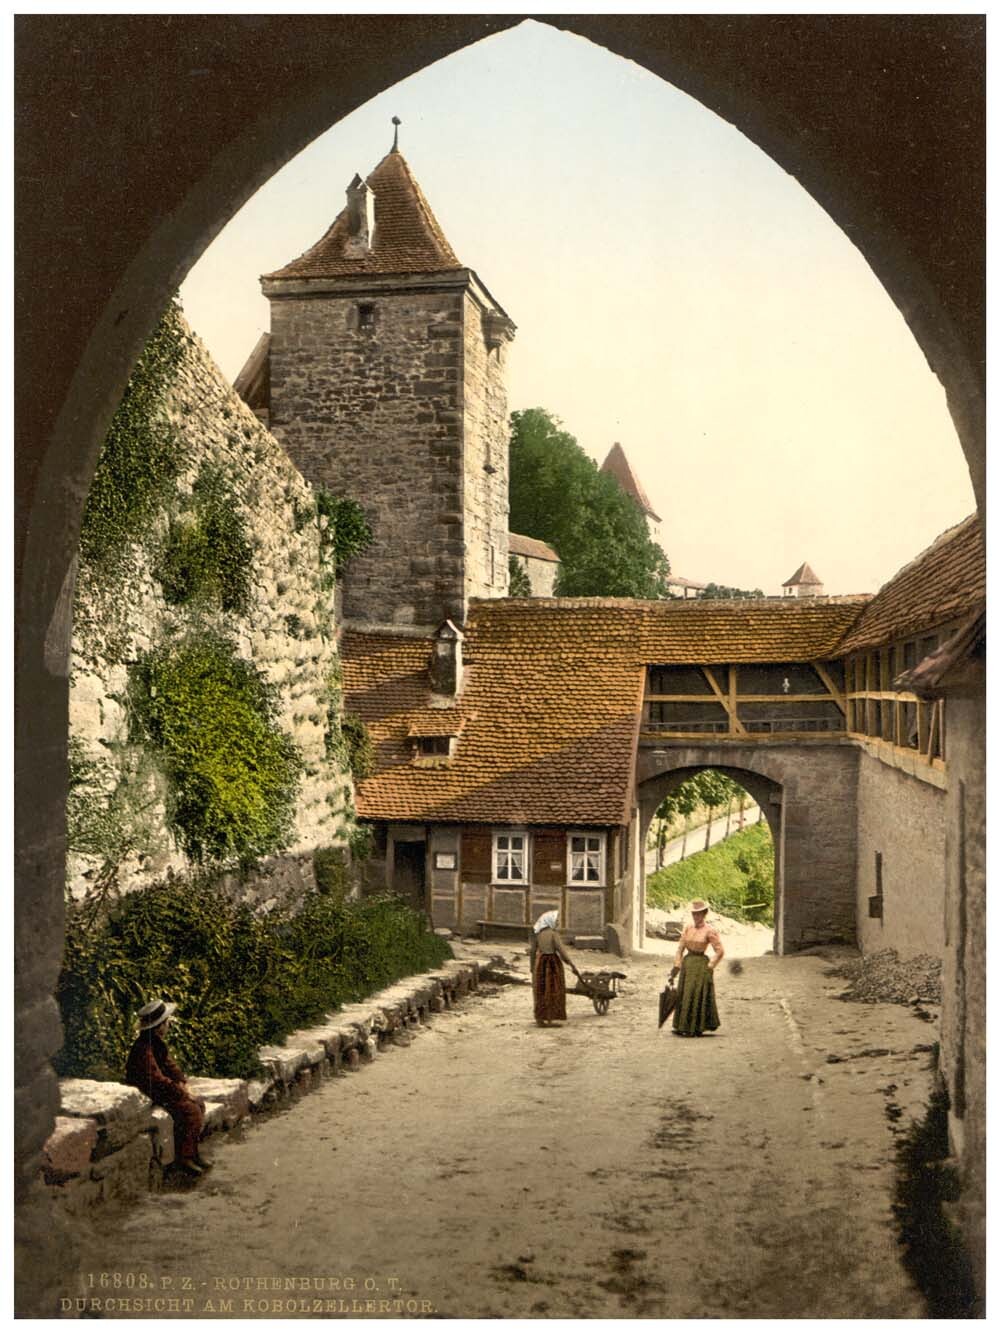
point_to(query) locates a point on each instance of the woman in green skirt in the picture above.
(695, 1012)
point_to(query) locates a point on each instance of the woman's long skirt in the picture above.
(549, 984)
(695, 1012)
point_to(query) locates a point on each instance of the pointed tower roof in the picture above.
(621, 469)
(407, 237)
(802, 575)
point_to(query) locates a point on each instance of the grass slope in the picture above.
(736, 877)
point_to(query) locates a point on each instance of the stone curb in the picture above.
(110, 1141)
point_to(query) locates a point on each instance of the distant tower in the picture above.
(620, 468)
(803, 583)
(386, 383)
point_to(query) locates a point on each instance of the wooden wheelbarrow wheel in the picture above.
(601, 1003)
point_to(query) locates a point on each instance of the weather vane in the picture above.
(395, 134)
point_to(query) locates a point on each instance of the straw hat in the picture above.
(153, 1014)
(699, 905)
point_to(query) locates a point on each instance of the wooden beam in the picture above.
(733, 713)
(831, 685)
(736, 727)
(904, 696)
(934, 728)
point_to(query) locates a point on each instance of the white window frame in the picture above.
(595, 835)
(505, 835)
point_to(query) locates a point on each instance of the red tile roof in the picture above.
(621, 469)
(407, 236)
(945, 582)
(552, 699)
(531, 547)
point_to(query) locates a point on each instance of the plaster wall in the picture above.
(963, 1007)
(902, 820)
(541, 573)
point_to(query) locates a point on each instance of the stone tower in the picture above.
(387, 384)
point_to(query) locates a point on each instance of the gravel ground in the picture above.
(595, 1169)
(885, 978)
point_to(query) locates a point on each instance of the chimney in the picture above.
(446, 663)
(360, 218)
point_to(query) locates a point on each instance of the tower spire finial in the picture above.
(395, 134)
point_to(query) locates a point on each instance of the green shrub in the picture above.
(735, 876)
(359, 747)
(140, 457)
(347, 532)
(207, 557)
(330, 871)
(233, 774)
(239, 980)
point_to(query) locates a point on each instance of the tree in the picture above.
(715, 789)
(719, 590)
(558, 495)
(519, 584)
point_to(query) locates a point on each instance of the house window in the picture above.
(586, 858)
(366, 316)
(510, 858)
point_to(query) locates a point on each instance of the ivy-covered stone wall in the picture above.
(204, 704)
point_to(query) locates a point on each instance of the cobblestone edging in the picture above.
(111, 1142)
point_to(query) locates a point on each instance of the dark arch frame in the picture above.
(124, 176)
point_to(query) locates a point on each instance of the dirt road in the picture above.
(601, 1169)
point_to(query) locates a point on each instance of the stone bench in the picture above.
(110, 1141)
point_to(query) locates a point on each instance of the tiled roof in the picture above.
(253, 383)
(621, 469)
(407, 237)
(803, 574)
(945, 582)
(551, 699)
(679, 581)
(531, 547)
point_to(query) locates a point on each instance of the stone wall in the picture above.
(808, 794)
(902, 821)
(287, 632)
(486, 456)
(374, 411)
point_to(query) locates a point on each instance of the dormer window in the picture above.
(429, 747)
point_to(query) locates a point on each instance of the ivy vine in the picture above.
(345, 533)
(140, 457)
(207, 558)
(233, 774)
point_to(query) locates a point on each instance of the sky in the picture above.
(673, 289)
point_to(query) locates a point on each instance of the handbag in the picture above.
(668, 1002)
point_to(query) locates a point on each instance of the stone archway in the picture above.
(808, 795)
(122, 180)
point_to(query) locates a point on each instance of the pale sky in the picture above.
(673, 289)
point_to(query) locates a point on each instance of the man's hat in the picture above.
(699, 905)
(153, 1014)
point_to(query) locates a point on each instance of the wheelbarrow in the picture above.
(601, 987)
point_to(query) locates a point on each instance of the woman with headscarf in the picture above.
(695, 1012)
(547, 953)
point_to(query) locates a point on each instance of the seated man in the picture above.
(152, 1071)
